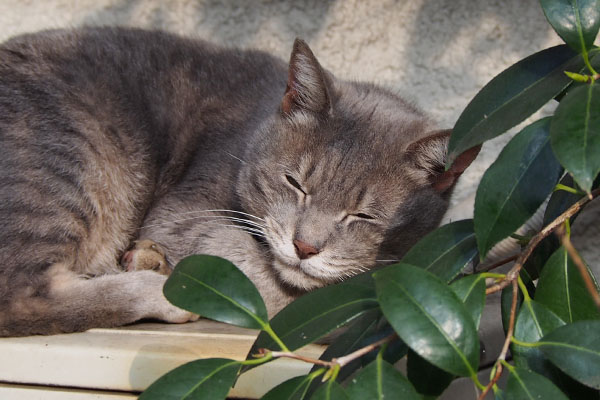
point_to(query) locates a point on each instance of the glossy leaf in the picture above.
(515, 185)
(575, 21)
(380, 380)
(471, 291)
(331, 390)
(428, 317)
(208, 379)
(562, 289)
(533, 322)
(214, 288)
(446, 251)
(317, 313)
(512, 96)
(575, 134)
(575, 349)
(292, 389)
(527, 385)
(427, 379)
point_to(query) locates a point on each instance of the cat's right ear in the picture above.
(429, 154)
(308, 84)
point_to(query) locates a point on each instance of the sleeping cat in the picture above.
(114, 135)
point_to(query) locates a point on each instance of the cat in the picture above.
(112, 135)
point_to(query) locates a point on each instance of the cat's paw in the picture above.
(146, 255)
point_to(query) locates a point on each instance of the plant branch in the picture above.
(341, 361)
(360, 352)
(498, 264)
(578, 261)
(513, 274)
(509, 334)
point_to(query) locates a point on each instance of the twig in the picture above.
(578, 261)
(509, 334)
(341, 361)
(548, 229)
(498, 264)
(360, 352)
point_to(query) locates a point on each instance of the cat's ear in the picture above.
(430, 155)
(308, 84)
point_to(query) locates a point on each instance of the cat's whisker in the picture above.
(215, 217)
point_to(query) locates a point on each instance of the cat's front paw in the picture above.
(146, 255)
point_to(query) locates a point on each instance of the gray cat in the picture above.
(113, 135)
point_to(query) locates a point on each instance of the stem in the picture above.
(524, 290)
(509, 335)
(267, 328)
(560, 186)
(524, 344)
(341, 361)
(499, 263)
(548, 229)
(493, 275)
(583, 271)
(266, 357)
(289, 354)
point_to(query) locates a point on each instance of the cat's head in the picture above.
(346, 175)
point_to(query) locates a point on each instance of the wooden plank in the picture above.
(131, 358)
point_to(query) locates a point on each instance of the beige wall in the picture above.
(438, 53)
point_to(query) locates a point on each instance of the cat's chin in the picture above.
(293, 275)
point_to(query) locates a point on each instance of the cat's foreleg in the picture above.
(72, 303)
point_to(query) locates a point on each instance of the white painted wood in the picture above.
(21, 392)
(131, 358)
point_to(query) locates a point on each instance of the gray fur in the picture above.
(113, 135)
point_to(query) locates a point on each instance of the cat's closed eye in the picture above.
(363, 216)
(293, 182)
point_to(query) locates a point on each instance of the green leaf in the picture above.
(330, 391)
(575, 134)
(527, 385)
(208, 379)
(563, 291)
(214, 288)
(533, 322)
(515, 185)
(292, 389)
(428, 317)
(575, 349)
(317, 313)
(380, 380)
(471, 291)
(427, 379)
(445, 251)
(575, 21)
(512, 96)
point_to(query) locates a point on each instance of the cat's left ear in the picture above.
(430, 154)
(308, 85)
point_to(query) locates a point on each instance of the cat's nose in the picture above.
(304, 250)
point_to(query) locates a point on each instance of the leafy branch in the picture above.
(427, 308)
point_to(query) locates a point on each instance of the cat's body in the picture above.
(111, 135)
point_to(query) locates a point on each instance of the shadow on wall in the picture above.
(230, 22)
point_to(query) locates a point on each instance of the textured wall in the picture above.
(438, 53)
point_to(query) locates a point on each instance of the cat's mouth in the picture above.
(299, 275)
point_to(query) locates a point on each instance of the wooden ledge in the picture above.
(128, 359)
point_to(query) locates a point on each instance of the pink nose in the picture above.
(304, 250)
